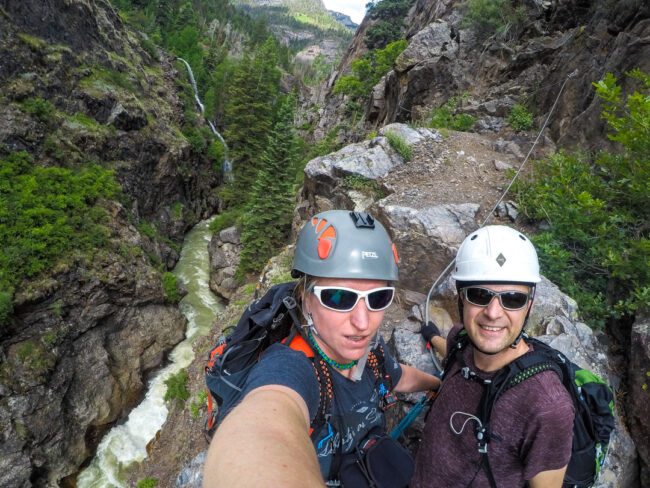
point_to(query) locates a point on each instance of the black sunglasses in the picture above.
(481, 297)
(344, 299)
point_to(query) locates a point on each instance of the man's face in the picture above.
(492, 328)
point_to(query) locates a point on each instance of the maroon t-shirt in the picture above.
(532, 423)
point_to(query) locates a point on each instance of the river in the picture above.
(126, 444)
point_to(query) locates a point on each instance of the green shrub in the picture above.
(463, 122)
(147, 483)
(216, 152)
(226, 219)
(369, 70)
(490, 17)
(46, 213)
(147, 229)
(597, 246)
(170, 284)
(390, 16)
(400, 145)
(39, 108)
(520, 118)
(6, 306)
(149, 47)
(444, 117)
(177, 387)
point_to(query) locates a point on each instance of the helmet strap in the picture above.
(523, 327)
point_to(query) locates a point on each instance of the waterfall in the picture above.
(227, 165)
(126, 444)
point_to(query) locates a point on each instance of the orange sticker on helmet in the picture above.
(395, 254)
(326, 237)
(324, 248)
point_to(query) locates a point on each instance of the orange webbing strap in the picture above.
(300, 344)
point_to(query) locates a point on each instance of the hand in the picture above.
(429, 331)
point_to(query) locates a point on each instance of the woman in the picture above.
(346, 263)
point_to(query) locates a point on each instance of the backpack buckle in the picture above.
(465, 372)
(289, 302)
(482, 439)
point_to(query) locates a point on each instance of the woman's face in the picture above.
(344, 336)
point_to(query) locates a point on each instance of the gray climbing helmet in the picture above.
(344, 244)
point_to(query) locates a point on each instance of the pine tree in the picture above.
(268, 217)
(249, 116)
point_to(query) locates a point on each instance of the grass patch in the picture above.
(364, 185)
(398, 143)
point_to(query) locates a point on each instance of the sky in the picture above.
(356, 9)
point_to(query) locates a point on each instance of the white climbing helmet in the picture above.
(497, 253)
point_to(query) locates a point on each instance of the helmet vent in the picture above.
(473, 237)
(522, 238)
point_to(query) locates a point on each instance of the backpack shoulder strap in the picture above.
(325, 388)
(454, 352)
(533, 362)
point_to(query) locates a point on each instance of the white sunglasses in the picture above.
(343, 299)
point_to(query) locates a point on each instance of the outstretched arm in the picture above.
(264, 441)
(415, 380)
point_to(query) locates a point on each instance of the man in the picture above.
(530, 431)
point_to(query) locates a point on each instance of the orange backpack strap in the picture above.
(298, 343)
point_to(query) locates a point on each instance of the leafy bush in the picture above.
(369, 70)
(597, 246)
(177, 387)
(383, 33)
(403, 148)
(216, 153)
(226, 219)
(147, 229)
(170, 285)
(39, 108)
(463, 122)
(444, 117)
(494, 17)
(520, 118)
(45, 213)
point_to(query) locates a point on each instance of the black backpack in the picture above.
(592, 398)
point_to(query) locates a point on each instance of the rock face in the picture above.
(638, 398)
(76, 353)
(76, 361)
(561, 42)
(224, 258)
(343, 19)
